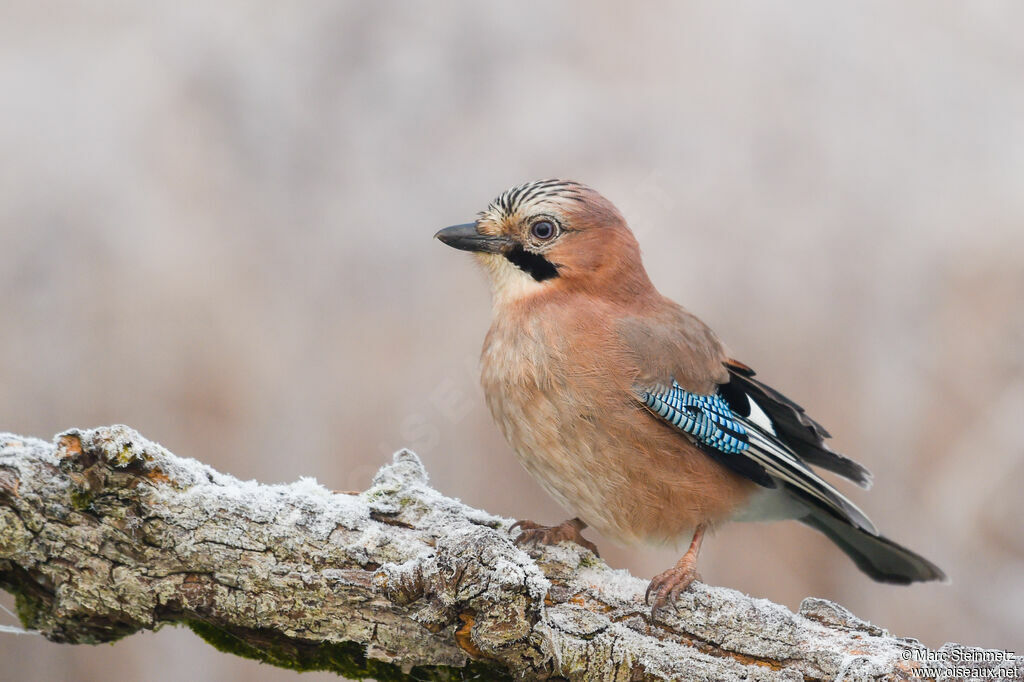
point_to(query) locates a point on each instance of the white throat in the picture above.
(509, 284)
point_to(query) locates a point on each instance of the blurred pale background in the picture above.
(216, 226)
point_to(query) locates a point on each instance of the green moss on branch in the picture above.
(347, 659)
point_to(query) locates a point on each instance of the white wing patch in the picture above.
(760, 417)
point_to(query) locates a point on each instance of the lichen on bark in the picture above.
(104, 533)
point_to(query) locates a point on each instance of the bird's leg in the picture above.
(667, 586)
(531, 533)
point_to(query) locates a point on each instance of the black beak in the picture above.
(466, 238)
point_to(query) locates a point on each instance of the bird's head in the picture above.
(552, 235)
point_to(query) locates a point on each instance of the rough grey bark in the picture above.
(104, 533)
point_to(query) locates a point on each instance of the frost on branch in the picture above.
(104, 533)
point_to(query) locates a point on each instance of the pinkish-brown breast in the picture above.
(557, 376)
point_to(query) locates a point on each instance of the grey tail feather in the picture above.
(879, 557)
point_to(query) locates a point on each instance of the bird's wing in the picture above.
(746, 444)
(726, 413)
(789, 422)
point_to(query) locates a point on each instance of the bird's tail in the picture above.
(879, 557)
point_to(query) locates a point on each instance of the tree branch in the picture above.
(105, 533)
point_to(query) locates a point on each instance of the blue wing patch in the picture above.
(705, 417)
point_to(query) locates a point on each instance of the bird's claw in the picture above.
(669, 585)
(531, 534)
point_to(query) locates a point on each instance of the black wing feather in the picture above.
(802, 434)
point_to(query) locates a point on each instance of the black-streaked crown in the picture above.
(516, 199)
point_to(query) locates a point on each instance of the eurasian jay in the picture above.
(626, 407)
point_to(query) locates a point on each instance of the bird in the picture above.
(628, 409)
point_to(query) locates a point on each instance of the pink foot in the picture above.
(533, 534)
(669, 585)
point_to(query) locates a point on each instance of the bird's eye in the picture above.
(543, 230)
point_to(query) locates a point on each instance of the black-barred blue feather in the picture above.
(705, 417)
